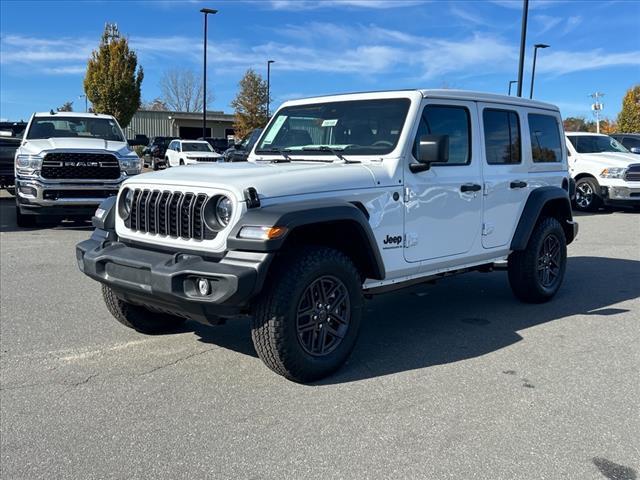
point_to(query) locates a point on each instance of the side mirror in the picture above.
(431, 149)
(635, 150)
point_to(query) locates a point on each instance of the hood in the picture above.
(72, 143)
(269, 179)
(202, 154)
(611, 159)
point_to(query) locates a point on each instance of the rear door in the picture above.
(506, 185)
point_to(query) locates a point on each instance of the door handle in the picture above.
(470, 187)
(517, 184)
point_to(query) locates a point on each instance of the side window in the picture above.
(171, 145)
(545, 138)
(630, 142)
(451, 121)
(502, 136)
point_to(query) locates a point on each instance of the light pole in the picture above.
(511, 82)
(269, 62)
(523, 40)
(533, 70)
(204, 81)
(86, 103)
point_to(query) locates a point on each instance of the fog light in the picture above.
(204, 287)
(29, 191)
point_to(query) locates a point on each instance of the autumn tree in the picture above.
(250, 104)
(155, 105)
(578, 124)
(113, 78)
(65, 107)
(182, 90)
(629, 116)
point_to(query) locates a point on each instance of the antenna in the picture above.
(597, 107)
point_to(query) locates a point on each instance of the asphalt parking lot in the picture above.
(457, 380)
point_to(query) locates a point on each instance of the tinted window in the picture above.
(545, 138)
(502, 136)
(68, 127)
(196, 147)
(629, 142)
(595, 144)
(451, 121)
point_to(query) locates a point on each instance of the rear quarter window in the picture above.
(545, 138)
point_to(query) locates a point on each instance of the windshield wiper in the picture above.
(282, 151)
(335, 151)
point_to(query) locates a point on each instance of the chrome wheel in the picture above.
(323, 315)
(549, 261)
(584, 195)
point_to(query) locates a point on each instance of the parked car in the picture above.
(240, 151)
(154, 154)
(605, 172)
(630, 141)
(343, 197)
(219, 145)
(187, 152)
(68, 163)
(10, 138)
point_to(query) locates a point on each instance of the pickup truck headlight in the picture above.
(130, 164)
(613, 172)
(28, 164)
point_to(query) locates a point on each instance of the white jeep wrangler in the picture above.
(343, 197)
(605, 172)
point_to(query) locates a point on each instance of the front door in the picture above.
(443, 205)
(506, 185)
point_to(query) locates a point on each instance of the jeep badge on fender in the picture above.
(324, 226)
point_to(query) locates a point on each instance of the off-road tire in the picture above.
(590, 185)
(274, 321)
(154, 164)
(523, 266)
(139, 318)
(25, 221)
(181, 162)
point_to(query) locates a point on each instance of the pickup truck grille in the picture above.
(72, 165)
(175, 214)
(633, 173)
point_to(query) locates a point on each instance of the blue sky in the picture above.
(327, 46)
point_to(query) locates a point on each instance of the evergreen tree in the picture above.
(629, 116)
(250, 104)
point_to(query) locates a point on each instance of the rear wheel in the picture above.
(137, 317)
(306, 323)
(25, 221)
(536, 273)
(154, 164)
(587, 198)
(181, 162)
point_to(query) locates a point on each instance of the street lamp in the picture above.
(269, 62)
(511, 82)
(86, 103)
(523, 40)
(204, 82)
(533, 70)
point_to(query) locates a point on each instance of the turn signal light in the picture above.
(262, 233)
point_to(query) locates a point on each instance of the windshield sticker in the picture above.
(330, 122)
(273, 131)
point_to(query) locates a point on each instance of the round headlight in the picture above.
(224, 209)
(126, 201)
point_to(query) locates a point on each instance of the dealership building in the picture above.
(187, 125)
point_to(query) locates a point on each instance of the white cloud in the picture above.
(66, 70)
(317, 4)
(546, 23)
(563, 62)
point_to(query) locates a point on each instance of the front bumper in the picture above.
(167, 281)
(621, 195)
(33, 194)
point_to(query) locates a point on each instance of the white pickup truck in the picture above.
(606, 173)
(342, 197)
(68, 163)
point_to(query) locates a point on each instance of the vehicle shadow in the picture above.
(8, 220)
(460, 318)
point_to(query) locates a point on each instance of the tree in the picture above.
(112, 83)
(65, 107)
(155, 105)
(579, 124)
(182, 90)
(250, 104)
(629, 116)
(608, 126)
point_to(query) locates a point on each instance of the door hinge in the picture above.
(487, 229)
(488, 187)
(410, 239)
(408, 194)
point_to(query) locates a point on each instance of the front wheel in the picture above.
(306, 323)
(536, 273)
(137, 317)
(587, 198)
(25, 221)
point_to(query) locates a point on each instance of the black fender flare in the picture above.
(554, 200)
(299, 214)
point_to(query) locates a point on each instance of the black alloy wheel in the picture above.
(549, 261)
(323, 315)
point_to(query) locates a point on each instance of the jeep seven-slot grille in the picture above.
(633, 173)
(77, 165)
(175, 214)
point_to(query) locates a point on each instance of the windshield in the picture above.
(65, 127)
(196, 147)
(595, 144)
(360, 127)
